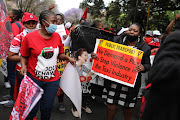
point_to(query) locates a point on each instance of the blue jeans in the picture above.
(47, 99)
(11, 75)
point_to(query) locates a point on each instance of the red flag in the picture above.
(84, 16)
(6, 34)
(29, 94)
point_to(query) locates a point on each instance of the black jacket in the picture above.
(164, 99)
(141, 45)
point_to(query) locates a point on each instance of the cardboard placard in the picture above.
(116, 62)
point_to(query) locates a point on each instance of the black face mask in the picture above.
(132, 38)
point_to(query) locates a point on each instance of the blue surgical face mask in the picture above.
(51, 29)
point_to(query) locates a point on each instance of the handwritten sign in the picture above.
(116, 62)
(61, 64)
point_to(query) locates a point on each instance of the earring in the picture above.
(138, 38)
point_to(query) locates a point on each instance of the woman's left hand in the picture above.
(64, 37)
(93, 55)
(72, 61)
(140, 68)
(51, 6)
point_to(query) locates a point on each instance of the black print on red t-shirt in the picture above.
(47, 74)
(47, 53)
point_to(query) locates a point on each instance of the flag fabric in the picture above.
(71, 85)
(29, 94)
(6, 34)
(84, 16)
(85, 37)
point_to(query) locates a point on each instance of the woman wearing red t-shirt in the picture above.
(39, 52)
(17, 27)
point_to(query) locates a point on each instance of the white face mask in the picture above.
(30, 30)
(156, 39)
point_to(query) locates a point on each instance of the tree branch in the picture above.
(38, 6)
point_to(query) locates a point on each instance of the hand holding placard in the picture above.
(117, 62)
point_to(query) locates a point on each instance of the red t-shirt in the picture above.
(16, 29)
(42, 55)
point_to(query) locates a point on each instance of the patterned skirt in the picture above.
(116, 93)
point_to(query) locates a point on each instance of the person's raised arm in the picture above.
(169, 27)
(51, 6)
(93, 55)
(72, 29)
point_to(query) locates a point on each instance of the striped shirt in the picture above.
(16, 45)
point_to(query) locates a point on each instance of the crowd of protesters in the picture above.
(32, 37)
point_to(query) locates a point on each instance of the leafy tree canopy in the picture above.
(124, 12)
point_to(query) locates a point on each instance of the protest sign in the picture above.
(85, 82)
(29, 94)
(61, 30)
(61, 64)
(70, 84)
(0, 62)
(85, 37)
(6, 34)
(3, 67)
(116, 62)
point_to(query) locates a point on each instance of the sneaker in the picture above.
(6, 97)
(9, 104)
(7, 85)
(93, 97)
(62, 108)
(75, 113)
(105, 103)
(139, 96)
(87, 109)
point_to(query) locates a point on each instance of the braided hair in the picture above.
(44, 14)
